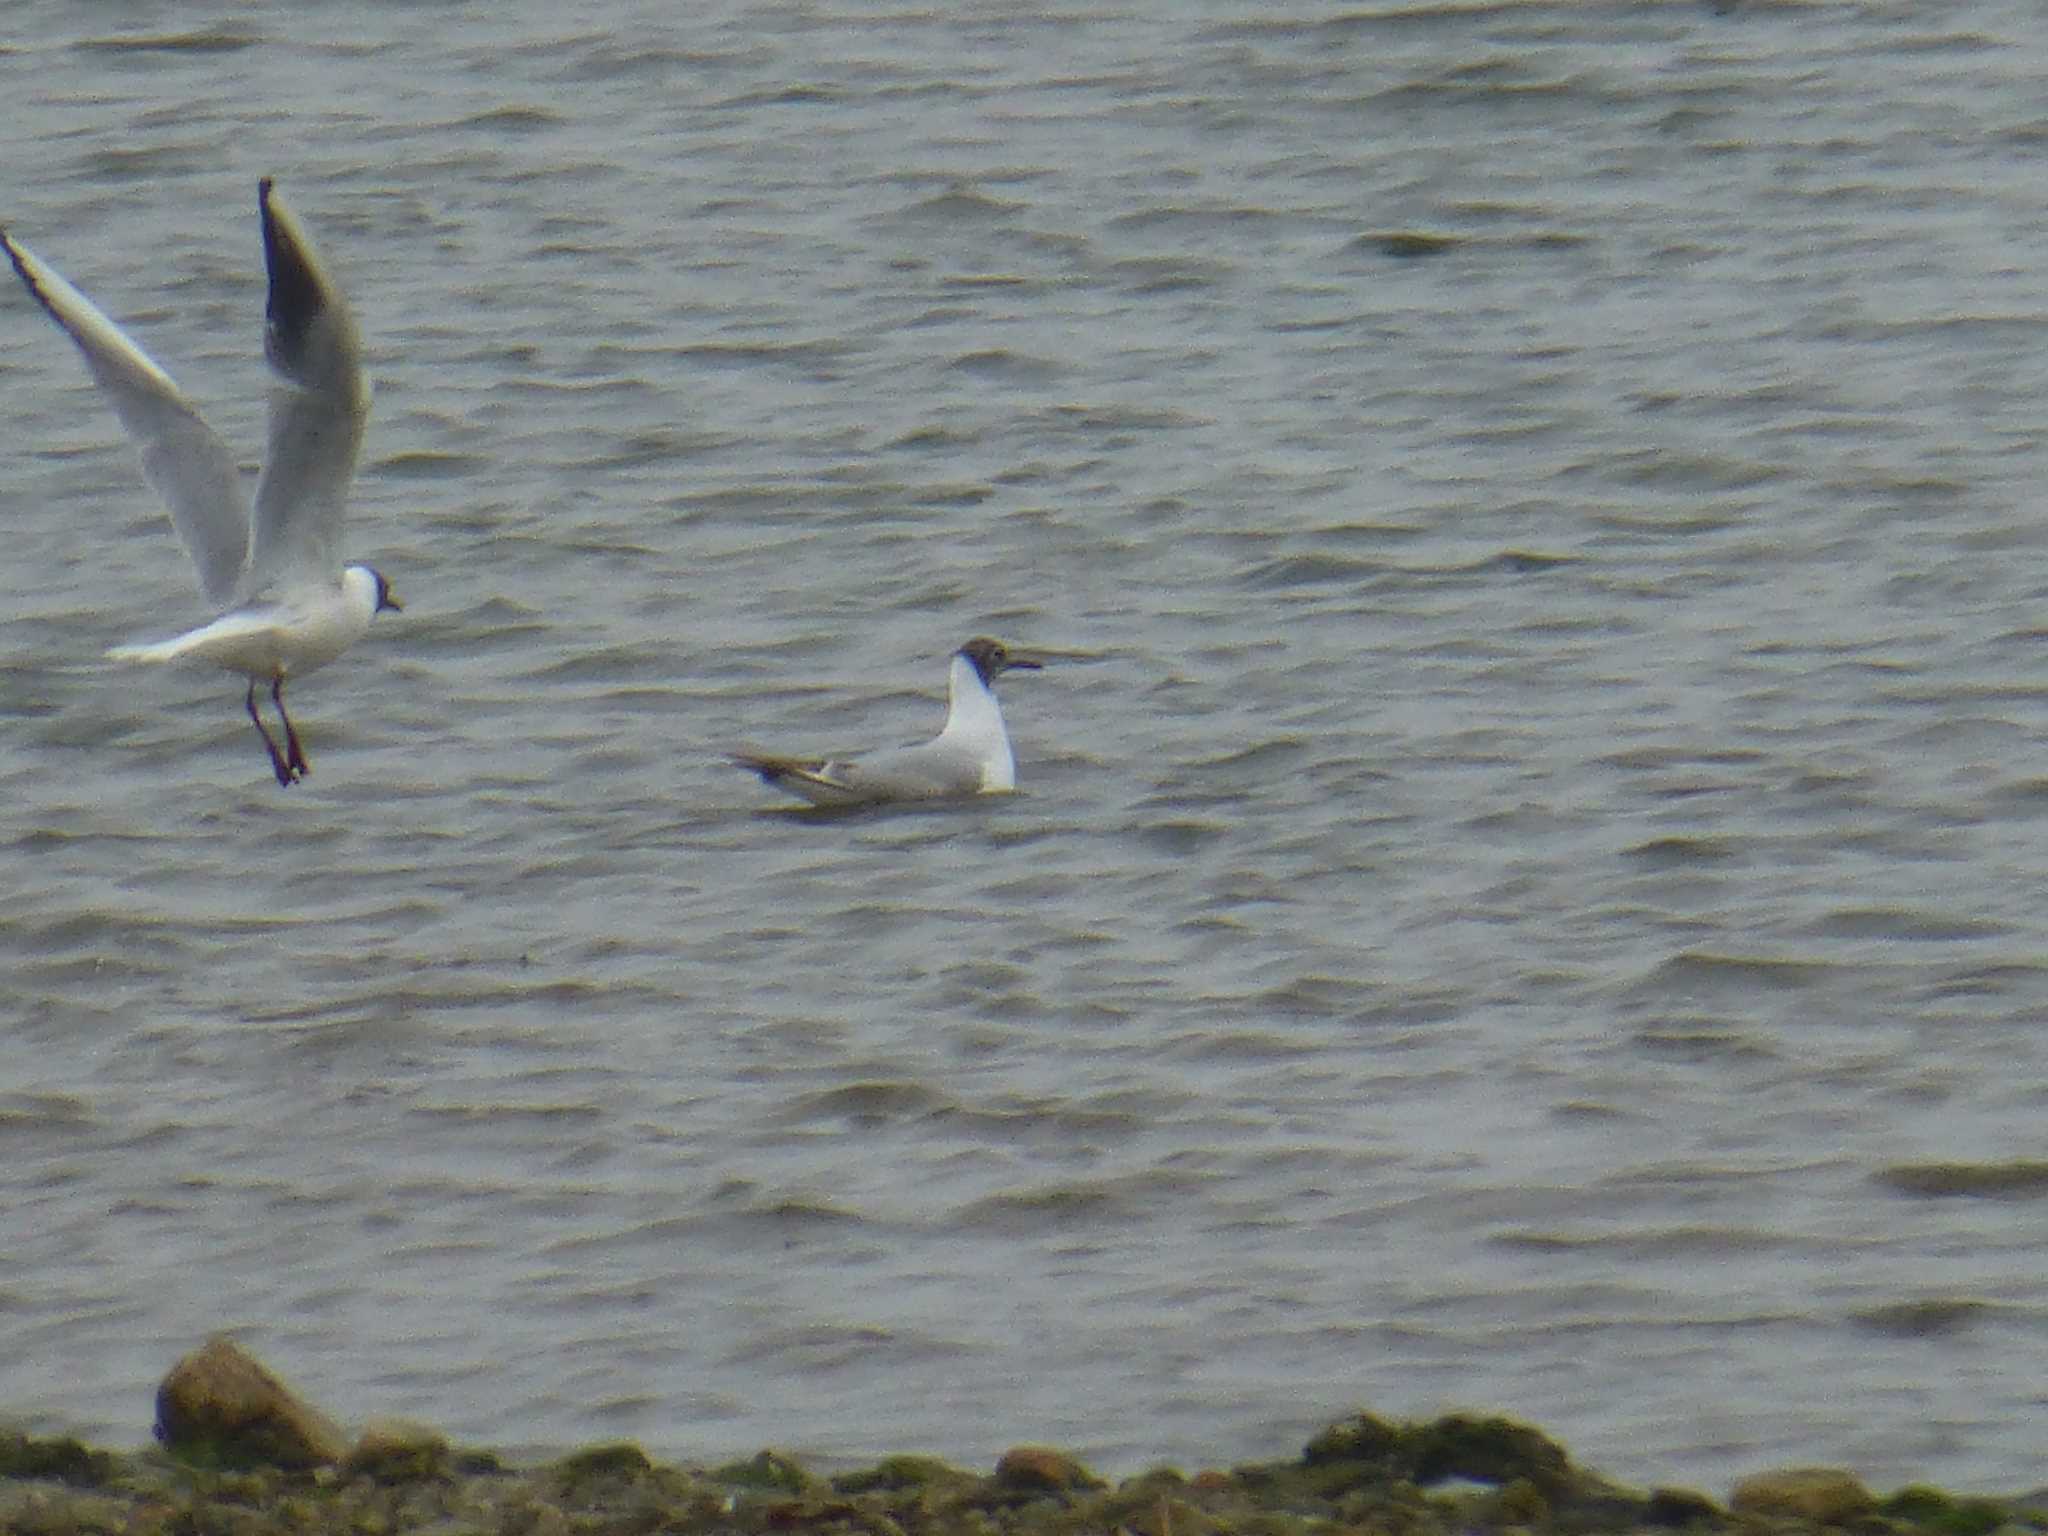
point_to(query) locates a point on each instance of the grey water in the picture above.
(1530, 897)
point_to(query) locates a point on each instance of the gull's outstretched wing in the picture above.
(317, 410)
(183, 458)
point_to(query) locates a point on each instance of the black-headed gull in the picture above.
(290, 605)
(971, 756)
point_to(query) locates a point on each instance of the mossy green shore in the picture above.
(1444, 1477)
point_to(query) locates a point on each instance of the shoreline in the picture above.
(243, 1454)
(1461, 1475)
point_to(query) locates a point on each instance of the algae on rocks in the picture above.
(1445, 1477)
(246, 1457)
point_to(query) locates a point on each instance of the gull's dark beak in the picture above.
(1027, 660)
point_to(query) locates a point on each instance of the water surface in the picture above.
(1534, 904)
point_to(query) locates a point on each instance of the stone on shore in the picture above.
(1367, 1450)
(396, 1450)
(1680, 1507)
(1819, 1495)
(220, 1403)
(1486, 1478)
(1041, 1469)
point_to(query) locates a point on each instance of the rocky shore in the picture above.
(243, 1455)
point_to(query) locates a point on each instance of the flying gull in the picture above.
(289, 605)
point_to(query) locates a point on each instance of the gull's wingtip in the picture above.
(820, 782)
(26, 267)
(277, 229)
(768, 766)
(102, 341)
(308, 336)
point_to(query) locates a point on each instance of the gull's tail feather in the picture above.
(163, 650)
(234, 640)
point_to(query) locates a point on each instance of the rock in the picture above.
(768, 1472)
(394, 1450)
(1821, 1495)
(1917, 1504)
(1366, 1453)
(1520, 1503)
(1489, 1450)
(62, 1460)
(1041, 1469)
(894, 1473)
(1364, 1438)
(221, 1403)
(621, 1460)
(1680, 1507)
(1163, 1516)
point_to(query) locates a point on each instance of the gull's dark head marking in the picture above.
(361, 581)
(992, 658)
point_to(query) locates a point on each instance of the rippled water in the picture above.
(1533, 904)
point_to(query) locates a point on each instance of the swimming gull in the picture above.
(971, 756)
